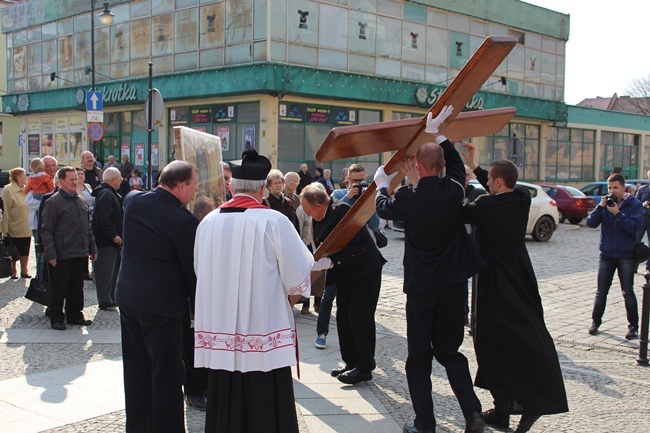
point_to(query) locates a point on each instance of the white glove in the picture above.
(382, 180)
(322, 264)
(433, 124)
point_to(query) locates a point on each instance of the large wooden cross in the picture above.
(406, 136)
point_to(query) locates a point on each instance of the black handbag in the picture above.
(39, 289)
(641, 252)
(11, 250)
(6, 269)
(380, 238)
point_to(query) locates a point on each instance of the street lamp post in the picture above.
(106, 18)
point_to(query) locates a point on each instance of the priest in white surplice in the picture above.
(250, 264)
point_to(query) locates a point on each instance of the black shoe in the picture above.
(197, 402)
(14, 277)
(25, 275)
(111, 306)
(474, 422)
(496, 419)
(82, 322)
(59, 326)
(526, 423)
(354, 376)
(593, 329)
(414, 429)
(632, 334)
(340, 370)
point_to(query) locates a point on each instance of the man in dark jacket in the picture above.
(620, 220)
(643, 195)
(67, 242)
(107, 228)
(155, 286)
(517, 360)
(438, 259)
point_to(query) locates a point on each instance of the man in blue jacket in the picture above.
(619, 222)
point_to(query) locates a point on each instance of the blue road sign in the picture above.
(94, 101)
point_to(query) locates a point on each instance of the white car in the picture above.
(543, 217)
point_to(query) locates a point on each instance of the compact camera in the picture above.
(611, 200)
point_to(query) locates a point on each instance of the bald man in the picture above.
(438, 259)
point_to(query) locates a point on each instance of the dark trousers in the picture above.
(356, 302)
(105, 270)
(435, 328)
(606, 268)
(196, 379)
(67, 286)
(323, 323)
(645, 229)
(153, 372)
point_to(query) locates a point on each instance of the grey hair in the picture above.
(291, 174)
(246, 185)
(327, 170)
(111, 173)
(274, 174)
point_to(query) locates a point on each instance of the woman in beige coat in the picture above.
(15, 219)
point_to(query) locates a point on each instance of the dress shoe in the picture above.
(197, 402)
(593, 329)
(474, 422)
(496, 419)
(111, 306)
(59, 326)
(25, 275)
(632, 333)
(354, 376)
(340, 370)
(526, 422)
(82, 322)
(414, 429)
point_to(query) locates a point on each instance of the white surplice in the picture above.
(246, 264)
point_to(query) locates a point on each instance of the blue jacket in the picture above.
(618, 233)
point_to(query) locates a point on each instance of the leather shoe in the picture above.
(111, 306)
(197, 402)
(496, 419)
(414, 429)
(82, 322)
(59, 326)
(354, 376)
(526, 422)
(340, 370)
(474, 422)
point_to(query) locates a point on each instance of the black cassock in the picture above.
(515, 353)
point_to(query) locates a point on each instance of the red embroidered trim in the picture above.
(244, 343)
(300, 288)
(243, 201)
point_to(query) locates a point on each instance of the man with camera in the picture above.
(620, 217)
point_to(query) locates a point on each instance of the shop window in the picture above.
(618, 154)
(569, 154)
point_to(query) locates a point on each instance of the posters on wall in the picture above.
(248, 137)
(154, 154)
(139, 154)
(224, 134)
(126, 150)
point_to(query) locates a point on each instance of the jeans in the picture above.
(645, 230)
(323, 323)
(606, 268)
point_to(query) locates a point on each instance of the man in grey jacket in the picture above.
(67, 240)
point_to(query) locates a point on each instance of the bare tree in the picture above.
(639, 92)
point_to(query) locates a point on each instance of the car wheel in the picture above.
(562, 217)
(543, 229)
(575, 221)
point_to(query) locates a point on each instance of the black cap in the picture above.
(252, 166)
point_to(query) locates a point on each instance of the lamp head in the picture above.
(107, 16)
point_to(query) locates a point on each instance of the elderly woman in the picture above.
(15, 220)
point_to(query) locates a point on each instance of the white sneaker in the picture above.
(321, 341)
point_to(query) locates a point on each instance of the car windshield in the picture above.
(574, 192)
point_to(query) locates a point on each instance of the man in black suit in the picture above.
(438, 259)
(155, 286)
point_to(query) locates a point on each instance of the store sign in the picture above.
(318, 114)
(201, 115)
(122, 93)
(179, 115)
(425, 98)
(292, 112)
(224, 113)
(345, 116)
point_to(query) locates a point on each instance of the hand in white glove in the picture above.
(382, 180)
(433, 124)
(322, 264)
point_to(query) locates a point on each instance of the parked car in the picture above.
(572, 204)
(598, 189)
(543, 217)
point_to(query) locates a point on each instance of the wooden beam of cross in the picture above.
(406, 136)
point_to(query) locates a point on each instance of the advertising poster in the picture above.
(154, 154)
(139, 154)
(224, 134)
(248, 137)
(126, 150)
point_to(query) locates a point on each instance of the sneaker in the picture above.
(321, 341)
(593, 329)
(632, 334)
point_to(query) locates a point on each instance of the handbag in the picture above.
(641, 252)
(5, 261)
(39, 289)
(380, 238)
(11, 250)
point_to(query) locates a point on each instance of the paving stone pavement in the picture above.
(607, 391)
